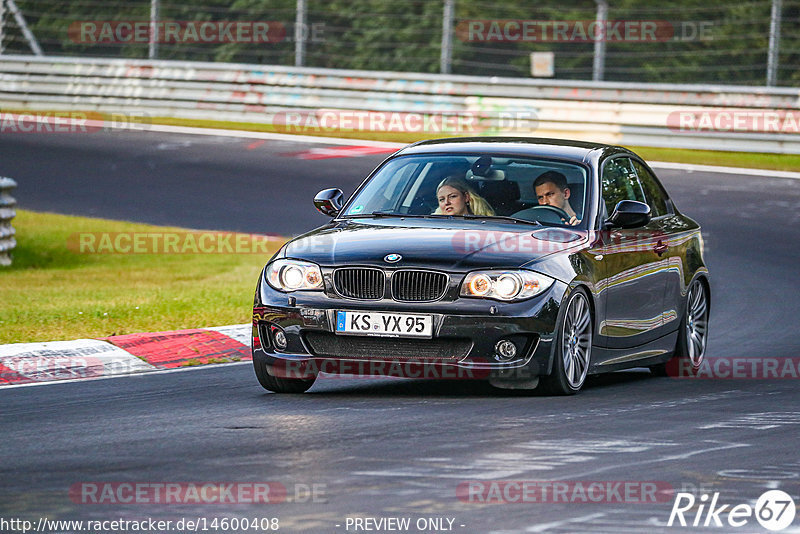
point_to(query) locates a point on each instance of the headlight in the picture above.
(505, 285)
(293, 275)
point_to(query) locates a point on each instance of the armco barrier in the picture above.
(621, 113)
(7, 212)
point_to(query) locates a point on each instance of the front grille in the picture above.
(418, 286)
(384, 348)
(360, 283)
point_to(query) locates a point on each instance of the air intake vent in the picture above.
(360, 283)
(418, 286)
(384, 348)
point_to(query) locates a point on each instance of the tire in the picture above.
(573, 347)
(279, 384)
(692, 335)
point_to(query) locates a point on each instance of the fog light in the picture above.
(505, 349)
(279, 338)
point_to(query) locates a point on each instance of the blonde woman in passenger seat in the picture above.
(456, 197)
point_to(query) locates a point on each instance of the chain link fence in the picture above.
(746, 42)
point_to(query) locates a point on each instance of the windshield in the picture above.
(526, 189)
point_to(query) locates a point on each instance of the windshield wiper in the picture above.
(502, 218)
(376, 214)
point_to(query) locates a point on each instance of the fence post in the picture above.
(7, 212)
(300, 34)
(599, 63)
(774, 43)
(447, 37)
(2, 23)
(152, 51)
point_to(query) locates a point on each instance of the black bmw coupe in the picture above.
(530, 263)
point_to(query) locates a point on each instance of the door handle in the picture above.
(661, 248)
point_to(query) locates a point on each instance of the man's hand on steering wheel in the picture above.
(562, 214)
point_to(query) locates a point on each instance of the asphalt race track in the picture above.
(382, 448)
(194, 181)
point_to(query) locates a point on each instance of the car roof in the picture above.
(518, 146)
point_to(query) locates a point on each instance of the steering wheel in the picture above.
(547, 211)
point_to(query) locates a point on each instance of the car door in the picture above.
(634, 268)
(671, 240)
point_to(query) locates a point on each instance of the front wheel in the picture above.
(573, 347)
(279, 384)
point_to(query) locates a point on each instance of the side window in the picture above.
(656, 196)
(620, 183)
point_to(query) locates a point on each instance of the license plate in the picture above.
(384, 324)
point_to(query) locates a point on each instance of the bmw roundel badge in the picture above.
(392, 258)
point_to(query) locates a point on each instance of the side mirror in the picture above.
(329, 202)
(629, 214)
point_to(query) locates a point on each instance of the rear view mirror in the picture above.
(329, 202)
(482, 166)
(629, 214)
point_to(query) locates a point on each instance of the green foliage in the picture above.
(714, 42)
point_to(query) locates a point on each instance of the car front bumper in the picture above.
(465, 335)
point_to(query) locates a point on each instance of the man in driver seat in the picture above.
(551, 190)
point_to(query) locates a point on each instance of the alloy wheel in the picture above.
(576, 345)
(696, 324)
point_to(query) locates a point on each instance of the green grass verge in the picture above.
(52, 292)
(750, 160)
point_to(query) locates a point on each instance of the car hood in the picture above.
(445, 245)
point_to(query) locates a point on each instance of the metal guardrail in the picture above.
(7, 212)
(620, 113)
